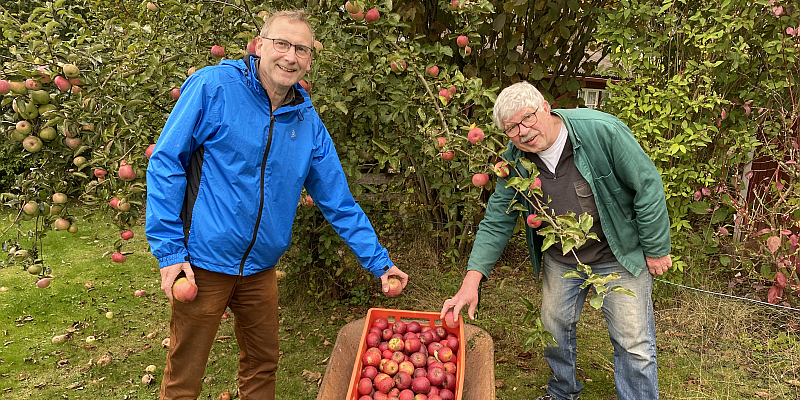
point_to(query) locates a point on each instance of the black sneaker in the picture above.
(546, 396)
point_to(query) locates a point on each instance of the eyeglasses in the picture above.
(283, 46)
(528, 121)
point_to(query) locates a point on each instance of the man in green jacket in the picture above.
(588, 162)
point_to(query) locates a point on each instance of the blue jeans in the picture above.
(631, 327)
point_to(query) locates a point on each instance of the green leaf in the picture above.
(339, 105)
(572, 274)
(620, 289)
(596, 302)
(549, 240)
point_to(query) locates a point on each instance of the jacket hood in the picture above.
(247, 67)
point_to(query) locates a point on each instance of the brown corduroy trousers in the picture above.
(193, 327)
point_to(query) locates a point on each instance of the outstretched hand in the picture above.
(467, 295)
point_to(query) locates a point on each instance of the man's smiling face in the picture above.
(278, 71)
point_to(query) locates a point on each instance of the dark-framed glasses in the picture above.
(283, 46)
(527, 121)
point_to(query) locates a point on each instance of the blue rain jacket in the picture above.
(225, 177)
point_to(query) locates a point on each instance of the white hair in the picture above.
(513, 99)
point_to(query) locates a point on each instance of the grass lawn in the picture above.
(709, 347)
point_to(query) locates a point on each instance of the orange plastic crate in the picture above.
(425, 319)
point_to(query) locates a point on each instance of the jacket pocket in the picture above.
(585, 197)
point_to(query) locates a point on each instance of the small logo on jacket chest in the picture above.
(293, 135)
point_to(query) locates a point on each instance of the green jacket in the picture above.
(626, 184)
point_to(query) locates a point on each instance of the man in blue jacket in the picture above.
(223, 187)
(588, 162)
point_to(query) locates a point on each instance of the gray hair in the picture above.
(513, 99)
(291, 15)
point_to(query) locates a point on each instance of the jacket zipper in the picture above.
(261, 201)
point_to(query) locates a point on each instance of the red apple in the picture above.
(369, 372)
(432, 71)
(395, 287)
(5, 87)
(372, 16)
(436, 375)
(462, 41)
(444, 354)
(412, 345)
(450, 382)
(440, 142)
(501, 169)
(467, 51)
(62, 83)
(446, 394)
(398, 66)
(452, 343)
(475, 135)
(406, 366)
(537, 183)
(126, 173)
(448, 155)
(383, 383)
(420, 385)
(441, 332)
(480, 179)
(358, 16)
(402, 380)
(114, 202)
(43, 283)
(364, 386)
(399, 327)
(413, 327)
(418, 359)
(183, 290)
(305, 85)
(126, 235)
(175, 93)
(118, 257)
(450, 367)
(390, 367)
(398, 357)
(444, 93)
(371, 357)
(100, 173)
(139, 293)
(373, 340)
(451, 320)
(381, 323)
(149, 151)
(454, 5)
(406, 394)
(217, 51)
(532, 222)
(421, 396)
(32, 84)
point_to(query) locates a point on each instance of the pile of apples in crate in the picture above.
(408, 361)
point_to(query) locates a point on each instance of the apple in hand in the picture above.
(395, 287)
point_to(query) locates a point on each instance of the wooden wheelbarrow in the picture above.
(478, 371)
